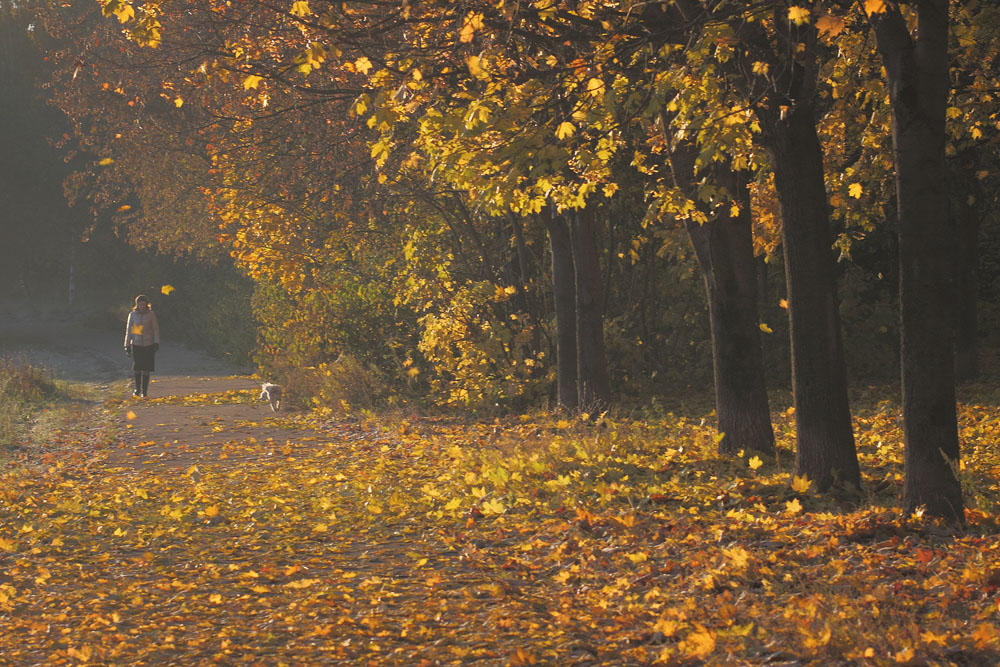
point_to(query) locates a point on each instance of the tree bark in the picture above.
(917, 73)
(564, 298)
(724, 249)
(966, 278)
(594, 388)
(825, 451)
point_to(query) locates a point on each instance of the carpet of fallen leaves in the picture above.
(531, 540)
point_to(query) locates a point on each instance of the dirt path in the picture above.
(204, 421)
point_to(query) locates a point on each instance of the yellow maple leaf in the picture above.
(738, 556)
(106, 161)
(363, 65)
(855, 190)
(473, 63)
(125, 12)
(595, 87)
(453, 504)
(472, 23)
(798, 15)
(167, 289)
(130, 415)
(301, 9)
(212, 510)
(755, 463)
(800, 484)
(493, 506)
(698, 644)
(319, 528)
(252, 81)
(831, 25)
(874, 6)
(783, 303)
(766, 329)
(793, 506)
(565, 129)
(178, 102)
(215, 598)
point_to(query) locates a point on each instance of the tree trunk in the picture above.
(966, 329)
(917, 73)
(825, 451)
(592, 368)
(564, 297)
(724, 249)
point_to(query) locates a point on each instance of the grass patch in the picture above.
(24, 388)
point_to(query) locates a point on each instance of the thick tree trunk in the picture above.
(966, 278)
(917, 73)
(592, 367)
(564, 297)
(825, 450)
(724, 249)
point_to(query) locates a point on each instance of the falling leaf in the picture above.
(178, 102)
(167, 289)
(855, 190)
(763, 327)
(106, 161)
(130, 415)
(755, 463)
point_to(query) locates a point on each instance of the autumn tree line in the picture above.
(505, 204)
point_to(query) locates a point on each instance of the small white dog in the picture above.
(272, 393)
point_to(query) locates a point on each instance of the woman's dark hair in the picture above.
(141, 298)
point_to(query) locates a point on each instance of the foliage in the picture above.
(524, 541)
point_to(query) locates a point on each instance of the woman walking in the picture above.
(142, 340)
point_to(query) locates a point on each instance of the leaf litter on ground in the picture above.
(529, 540)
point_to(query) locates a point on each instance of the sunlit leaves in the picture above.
(472, 23)
(566, 129)
(874, 7)
(251, 82)
(798, 15)
(300, 8)
(830, 25)
(363, 65)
